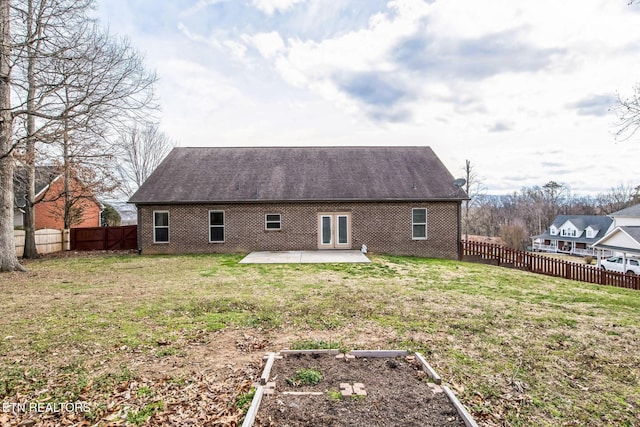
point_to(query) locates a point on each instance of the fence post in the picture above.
(530, 258)
(66, 239)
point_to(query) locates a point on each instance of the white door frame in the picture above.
(334, 230)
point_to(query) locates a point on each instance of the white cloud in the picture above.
(195, 37)
(271, 6)
(238, 50)
(324, 66)
(268, 44)
(528, 80)
(198, 88)
(198, 7)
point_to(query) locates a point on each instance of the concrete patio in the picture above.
(306, 257)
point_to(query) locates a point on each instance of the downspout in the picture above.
(459, 241)
(139, 229)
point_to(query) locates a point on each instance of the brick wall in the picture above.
(49, 211)
(383, 227)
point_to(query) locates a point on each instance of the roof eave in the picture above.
(220, 202)
(616, 248)
(46, 187)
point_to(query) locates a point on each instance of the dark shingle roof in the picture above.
(597, 222)
(45, 175)
(631, 211)
(201, 175)
(633, 231)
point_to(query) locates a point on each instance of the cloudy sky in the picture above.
(523, 89)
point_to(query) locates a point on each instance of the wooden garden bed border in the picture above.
(431, 373)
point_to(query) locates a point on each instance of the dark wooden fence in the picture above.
(104, 238)
(499, 255)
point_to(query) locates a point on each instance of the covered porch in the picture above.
(568, 247)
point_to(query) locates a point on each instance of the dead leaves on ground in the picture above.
(199, 399)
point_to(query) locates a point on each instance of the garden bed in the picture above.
(311, 388)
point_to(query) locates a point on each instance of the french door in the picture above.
(334, 230)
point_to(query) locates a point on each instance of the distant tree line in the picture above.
(518, 216)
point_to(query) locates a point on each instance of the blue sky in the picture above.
(522, 89)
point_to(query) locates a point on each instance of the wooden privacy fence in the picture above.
(104, 238)
(48, 240)
(490, 253)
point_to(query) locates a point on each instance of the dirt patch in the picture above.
(397, 393)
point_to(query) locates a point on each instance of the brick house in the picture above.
(49, 207)
(394, 200)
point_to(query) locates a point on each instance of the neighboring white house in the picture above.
(629, 217)
(624, 237)
(573, 234)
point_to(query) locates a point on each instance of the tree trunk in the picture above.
(8, 258)
(30, 248)
(67, 174)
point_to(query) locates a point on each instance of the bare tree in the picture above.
(628, 110)
(514, 235)
(43, 30)
(486, 215)
(474, 189)
(85, 84)
(618, 198)
(8, 258)
(105, 85)
(142, 150)
(533, 209)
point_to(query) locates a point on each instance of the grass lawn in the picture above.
(167, 339)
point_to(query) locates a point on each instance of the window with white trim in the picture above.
(272, 222)
(419, 223)
(160, 226)
(216, 226)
